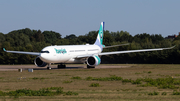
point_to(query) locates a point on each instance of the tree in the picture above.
(62, 42)
(107, 39)
(35, 40)
(51, 36)
(2, 37)
(39, 37)
(72, 36)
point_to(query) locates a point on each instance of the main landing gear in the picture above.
(61, 66)
(49, 66)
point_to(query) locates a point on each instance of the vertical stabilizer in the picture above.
(99, 40)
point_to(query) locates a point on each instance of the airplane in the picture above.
(89, 54)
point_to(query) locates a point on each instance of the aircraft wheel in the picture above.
(61, 66)
(64, 66)
(58, 66)
(49, 68)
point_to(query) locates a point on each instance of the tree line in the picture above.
(35, 40)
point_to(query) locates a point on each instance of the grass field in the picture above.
(136, 82)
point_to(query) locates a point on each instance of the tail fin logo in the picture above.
(101, 35)
(99, 40)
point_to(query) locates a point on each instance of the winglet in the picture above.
(173, 46)
(170, 47)
(4, 49)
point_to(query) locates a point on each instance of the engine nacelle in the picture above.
(93, 61)
(39, 63)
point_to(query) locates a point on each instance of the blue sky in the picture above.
(81, 16)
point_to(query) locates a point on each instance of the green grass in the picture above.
(41, 92)
(149, 72)
(126, 80)
(67, 81)
(164, 93)
(94, 85)
(76, 77)
(36, 78)
(111, 78)
(137, 82)
(153, 93)
(176, 93)
(162, 83)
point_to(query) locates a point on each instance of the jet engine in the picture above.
(39, 63)
(93, 61)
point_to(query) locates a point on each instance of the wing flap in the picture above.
(84, 56)
(116, 45)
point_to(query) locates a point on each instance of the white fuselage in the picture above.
(67, 53)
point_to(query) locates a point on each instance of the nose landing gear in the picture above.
(49, 66)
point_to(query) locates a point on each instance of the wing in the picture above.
(132, 51)
(120, 52)
(22, 52)
(116, 45)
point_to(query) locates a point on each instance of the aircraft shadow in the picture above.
(58, 68)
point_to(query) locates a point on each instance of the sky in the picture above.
(82, 16)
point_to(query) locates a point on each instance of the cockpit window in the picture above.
(44, 51)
